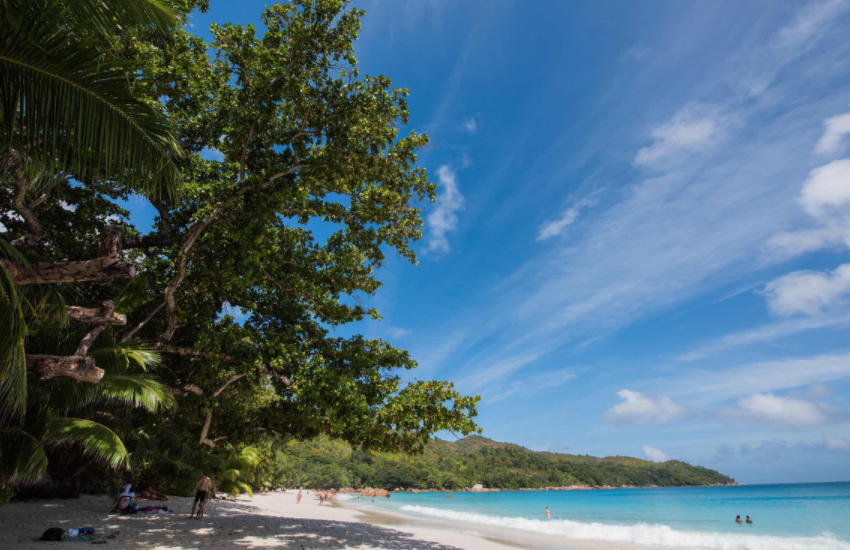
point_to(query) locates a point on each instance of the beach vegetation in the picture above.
(281, 179)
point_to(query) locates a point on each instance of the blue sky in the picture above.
(640, 242)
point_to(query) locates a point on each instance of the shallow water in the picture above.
(813, 516)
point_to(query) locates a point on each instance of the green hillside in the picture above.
(454, 465)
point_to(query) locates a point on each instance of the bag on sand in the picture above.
(53, 534)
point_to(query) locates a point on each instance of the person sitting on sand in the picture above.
(738, 519)
(749, 520)
(298, 498)
(548, 513)
(201, 489)
(152, 494)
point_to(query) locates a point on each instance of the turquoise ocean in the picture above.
(810, 516)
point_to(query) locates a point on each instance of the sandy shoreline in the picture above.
(267, 521)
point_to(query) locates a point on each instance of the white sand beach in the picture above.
(267, 521)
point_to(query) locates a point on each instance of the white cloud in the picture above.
(470, 125)
(788, 411)
(836, 128)
(827, 188)
(557, 226)
(443, 218)
(69, 207)
(655, 455)
(826, 198)
(691, 128)
(637, 408)
(808, 292)
(398, 332)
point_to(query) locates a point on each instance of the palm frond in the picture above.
(22, 456)
(107, 18)
(117, 357)
(13, 327)
(97, 441)
(134, 390)
(62, 102)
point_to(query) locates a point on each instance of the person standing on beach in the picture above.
(298, 501)
(548, 513)
(201, 489)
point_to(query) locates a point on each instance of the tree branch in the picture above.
(74, 367)
(108, 266)
(143, 323)
(229, 381)
(91, 316)
(105, 311)
(170, 348)
(34, 230)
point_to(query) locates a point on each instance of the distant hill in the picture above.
(455, 465)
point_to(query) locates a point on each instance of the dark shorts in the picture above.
(201, 495)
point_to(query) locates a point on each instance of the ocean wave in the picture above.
(641, 533)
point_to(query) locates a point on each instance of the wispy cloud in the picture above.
(637, 408)
(470, 125)
(759, 66)
(700, 388)
(556, 227)
(688, 131)
(528, 385)
(765, 333)
(655, 455)
(443, 217)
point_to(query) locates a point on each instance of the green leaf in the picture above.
(97, 441)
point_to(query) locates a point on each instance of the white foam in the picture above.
(641, 533)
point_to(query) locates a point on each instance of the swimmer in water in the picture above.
(749, 520)
(548, 513)
(738, 519)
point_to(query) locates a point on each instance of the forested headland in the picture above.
(323, 463)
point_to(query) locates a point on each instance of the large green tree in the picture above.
(305, 141)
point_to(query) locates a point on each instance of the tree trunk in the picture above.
(72, 367)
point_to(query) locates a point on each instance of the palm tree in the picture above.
(80, 423)
(67, 106)
(234, 470)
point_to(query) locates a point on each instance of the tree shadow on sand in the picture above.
(228, 520)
